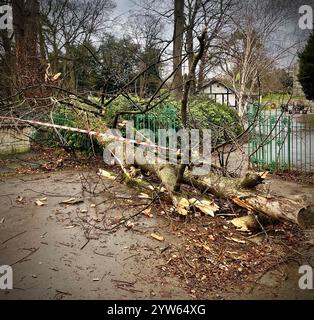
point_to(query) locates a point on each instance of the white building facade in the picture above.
(220, 93)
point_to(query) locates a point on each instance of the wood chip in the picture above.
(72, 201)
(147, 213)
(235, 240)
(144, 196)
(157, 237)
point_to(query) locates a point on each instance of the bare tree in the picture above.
(146, 29)
(248, 49)
(177, 47)
(68, 23)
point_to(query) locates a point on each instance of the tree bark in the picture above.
(241, 192)
(30, 72)
(279, 208)
(177, 85)
(189, 42)
(8, 65)
(238, 190)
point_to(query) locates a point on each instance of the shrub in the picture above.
(71, 140)
(221, 119)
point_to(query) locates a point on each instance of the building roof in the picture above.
(213, 81)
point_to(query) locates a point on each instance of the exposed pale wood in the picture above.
(280, 208)
(240, 191)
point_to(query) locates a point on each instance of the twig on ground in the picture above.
(5, 241)
(27, 256)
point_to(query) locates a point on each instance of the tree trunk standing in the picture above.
(190, 49)
(8, 66)
(30, 72)
(202, 64)
(184, 101)
(72, 75)
(189, 41)
(177, 84)
(191, 77)
(201, 73)
(142, 79)
(42, 44)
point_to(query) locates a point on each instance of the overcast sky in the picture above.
(123, 6)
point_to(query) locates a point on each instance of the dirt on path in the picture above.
(51, 257)
(58, 252)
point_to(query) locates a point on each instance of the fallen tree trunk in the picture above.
(238, 190)
(279, 208)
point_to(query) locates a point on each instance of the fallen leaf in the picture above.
(56, 76)
(105, 174)
(263, 175)
(244, 223)
(39, 203)
(147, 212)
(93, 205)
(157, 237)
(183, 207)
(206, 206)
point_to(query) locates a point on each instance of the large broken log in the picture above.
(239, 190)
(279, 208)
(242, 193)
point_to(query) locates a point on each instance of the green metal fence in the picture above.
(280, 142)
(161, 118)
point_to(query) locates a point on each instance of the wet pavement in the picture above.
(51, 257)
(56, 253)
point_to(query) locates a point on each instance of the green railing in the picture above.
(278, 141)
(161, 118)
